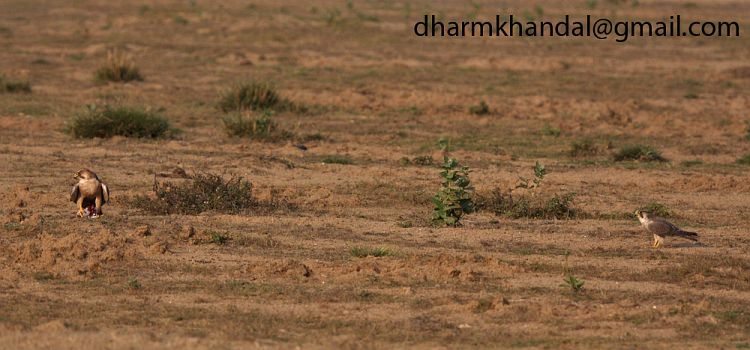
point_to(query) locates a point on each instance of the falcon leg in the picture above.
(659, 241)
(98, 203)
(80, 206)
(653, 245)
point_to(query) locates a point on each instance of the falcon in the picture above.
(661, 228)
(89, 193)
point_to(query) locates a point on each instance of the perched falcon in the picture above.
(89, 192)
(661, 228)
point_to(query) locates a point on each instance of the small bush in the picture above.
(251, 96)
(530, 204)
(481, 109)
(361, 252)
(133, 283)
(218, 238)
(657, 209)
(109, 121)
(118, 68)
(556, 207)
(573, 283)
(202, 193)
(14, 86)
(583, 148)
(639, 153)
(259, 128)
(744, 160)
(454, 199)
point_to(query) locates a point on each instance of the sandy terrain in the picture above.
(286, 277)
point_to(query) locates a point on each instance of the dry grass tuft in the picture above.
(118, 68)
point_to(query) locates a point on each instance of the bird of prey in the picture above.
(661, 228)
(89, 193)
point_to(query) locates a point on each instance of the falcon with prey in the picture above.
(89, 193)
(661, 228)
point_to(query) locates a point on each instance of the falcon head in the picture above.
(642, 214)
(85, 174)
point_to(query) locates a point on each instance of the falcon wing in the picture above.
(75, 193)
(105, 194)
(660, 227)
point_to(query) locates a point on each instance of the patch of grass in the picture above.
(180, 20)
(549, 130)
(583, 148)
(691, 163)
(42, 276)
(657, 209)
(110, 121)
(420, 161)
(361, 252)
(218, 238)
(744, 160)
(481, 109)
(203, 192)
(262, 128)
(530, 203)
(117, 68)
(638, 153)
(41, 61)
(337, 159)
(252, 96)
(134, 284)
(14, 86)
(559, 206)
(573, 283)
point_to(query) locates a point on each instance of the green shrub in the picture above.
(250, 96)
(573, 283)
(117, 68)
(110, 121)
(639, 153)
(14, 86)
(583, 148)
(481, 109)
(203, 192)
(133, 283)
(258, 128)
(455, 197)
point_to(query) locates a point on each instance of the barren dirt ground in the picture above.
(286, 277)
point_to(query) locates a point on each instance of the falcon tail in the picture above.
(688, 235)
